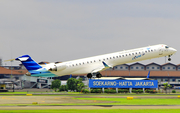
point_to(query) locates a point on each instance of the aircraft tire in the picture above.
(169, 59)
(89, 75)
(98, 75)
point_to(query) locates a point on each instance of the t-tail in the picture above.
(34, 69)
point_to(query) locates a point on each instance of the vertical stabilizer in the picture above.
(28, 62)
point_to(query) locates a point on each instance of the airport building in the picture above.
(163, 73)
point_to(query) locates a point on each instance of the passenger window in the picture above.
(149, 51)
(107, 58)
(129, 54)
(126, 55)
(122, 55)
(132, 53)
(116, 56)
(119, 55)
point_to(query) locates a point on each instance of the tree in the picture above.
(166, 85)
(71, 84)
(75, 84)
(80, 86)
(63, 88)
(56, 84)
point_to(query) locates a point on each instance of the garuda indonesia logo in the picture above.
(138, 56)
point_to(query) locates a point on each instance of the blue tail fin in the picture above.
(28, 62)
(34, 68)
(148, 74)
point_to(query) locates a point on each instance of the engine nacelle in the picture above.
(54, 68)
(28, 74)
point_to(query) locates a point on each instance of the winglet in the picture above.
(148, 74)
(105, 65)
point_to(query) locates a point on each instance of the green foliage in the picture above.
(63, 88)
(173, 91)
(96, 90)
(123, 90)
(80, 86)
(71, 84)
(150, 91)
(56, 84)
(85, 91)
(140, 91)
(75, 84)
(110, 91)
(137, 91)
(166, 85)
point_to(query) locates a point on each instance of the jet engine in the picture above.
(28, 74)
(54, 68)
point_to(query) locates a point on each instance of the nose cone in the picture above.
(173, 50)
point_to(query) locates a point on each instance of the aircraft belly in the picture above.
(75, 70)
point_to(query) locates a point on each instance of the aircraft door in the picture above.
(160, 52)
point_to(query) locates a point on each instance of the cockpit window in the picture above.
(166, 47)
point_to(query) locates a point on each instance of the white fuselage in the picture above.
(91, 64)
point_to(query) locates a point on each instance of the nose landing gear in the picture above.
(169, 59)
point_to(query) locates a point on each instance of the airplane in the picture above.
(92, 66)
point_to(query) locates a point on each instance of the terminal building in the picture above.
(163, 73)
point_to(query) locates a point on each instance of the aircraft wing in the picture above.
(102, 68)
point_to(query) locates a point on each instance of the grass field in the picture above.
(136, 101)
(94, 111)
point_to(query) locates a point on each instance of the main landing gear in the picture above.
(97, 75)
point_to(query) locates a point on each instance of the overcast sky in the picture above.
(55, 30)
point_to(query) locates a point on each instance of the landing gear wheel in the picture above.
(98, 75)
(169, 59)
(89, 75)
